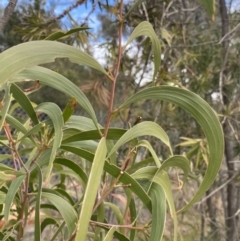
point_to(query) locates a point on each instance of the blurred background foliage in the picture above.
(194, 56)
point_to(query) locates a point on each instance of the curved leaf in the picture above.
(24, 102)
(64, 207)
(146, 128)
(145, 28)
(55, 114)
(17, 58)
(60, 34)
(113, 170)
(204, 115)
(59, 82)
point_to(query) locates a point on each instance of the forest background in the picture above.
(199, 53)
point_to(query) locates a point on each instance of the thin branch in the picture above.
(117, 66)
(65, 12)
(7, 14)
(225, 37)
(118, 226)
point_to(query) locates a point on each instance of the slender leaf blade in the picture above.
(91, 190)
(65, 208)
(55, 114)
(204, 115)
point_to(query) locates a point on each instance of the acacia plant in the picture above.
(83, 154)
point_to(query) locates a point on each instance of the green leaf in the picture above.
(161, 178)
(158, 212)
(60, 34)
(113, 134)
(145, 28)
(64, 207)
(109, 236)
(24, 102)
(149, 147)
(74, 167)
(146, 128)
(4, 105)
(48, 221)
(69, 109)
(91, 190)
(59, 82)
(17, 58)
(136, 4)
(36, 129)
(37, 224)
(81, 123)
(117, 212)
(55, 114)
(177, 161)
(209, 5)
(113, 170)
(204, 115)
(13, 189)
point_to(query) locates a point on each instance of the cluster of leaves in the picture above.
(83, 154)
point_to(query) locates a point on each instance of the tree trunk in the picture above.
(230, 219)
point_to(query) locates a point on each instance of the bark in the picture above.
(7, 14)
(230, 219)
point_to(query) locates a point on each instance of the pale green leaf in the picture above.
(147, 144)
(109, 236)
(146, 128)
(4, 105)
(17, 58)
(204, 115)
(209, 6)
(55, 114)
(145, 28)
(67, 211)
(59, 82)
(37, 224)
(158, 212)
(13, 189)
(91, 190)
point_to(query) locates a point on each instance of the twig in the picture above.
(118, 226)
(7, 14)
(65, 12)
(117, 66)
(229, 33)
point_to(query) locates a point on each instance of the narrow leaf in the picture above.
(67, 211)
(17, 58)
(55, 114)
(60, 34)
(24, 102)
(204, 115)
(109, 236)
(146, 128)
(145, 28)
(37, 224)
(91, 190)
(158, 212)
(59, 82)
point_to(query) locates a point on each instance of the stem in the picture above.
(114, 80)
(118, 226)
